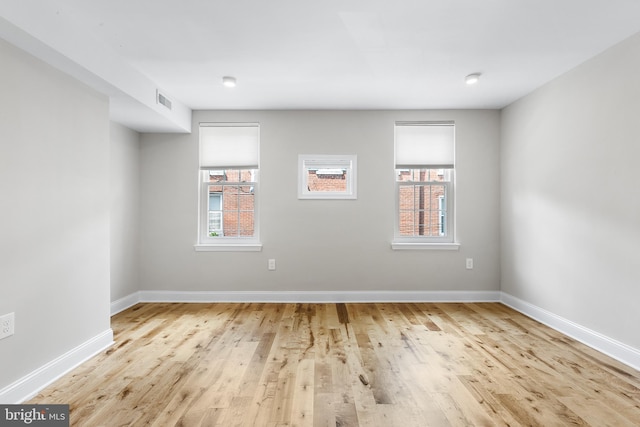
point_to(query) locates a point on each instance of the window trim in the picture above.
(414, 246)
(228, 247)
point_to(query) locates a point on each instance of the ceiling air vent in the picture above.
(161, 99)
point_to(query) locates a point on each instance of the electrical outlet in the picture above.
(272, 264)
(7, 323)
(469, 263)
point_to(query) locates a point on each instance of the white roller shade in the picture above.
(425, 145)
(229, 146)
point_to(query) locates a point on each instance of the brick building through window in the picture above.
(231, 211)
(327, 180)
(422, 202)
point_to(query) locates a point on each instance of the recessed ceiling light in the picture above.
(229, 81)
(472, 79)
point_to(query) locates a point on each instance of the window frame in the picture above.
(441, 242)
(227, 243)
(449, 192)
(348, 163)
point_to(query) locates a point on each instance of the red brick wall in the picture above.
(325, 183)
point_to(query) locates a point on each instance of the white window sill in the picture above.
(229, 247)
(423, 246)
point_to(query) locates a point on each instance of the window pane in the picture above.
(246, 223)
(215, 223)
(327, 180)
(215, 211)
(421, 210)
(238, 209)
(231, 204)
(215, 200)
(239, 223)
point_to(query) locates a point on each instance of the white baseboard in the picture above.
(320, 296)
(615, 349)
(28, 386)
(124, 303)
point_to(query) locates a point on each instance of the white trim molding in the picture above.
(320, 296)
(404, 246)
(628, 355)
(302, 297)
(123, 303)
(28, 386)
(228, 247)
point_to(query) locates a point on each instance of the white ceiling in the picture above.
(303, 54)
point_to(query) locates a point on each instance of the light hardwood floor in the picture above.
(344, 365)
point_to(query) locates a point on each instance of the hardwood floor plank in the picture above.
(302, 400)
(595, 413)
(256, 365)
(500, 416)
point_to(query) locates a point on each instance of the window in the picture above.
(424, 175)
(327, 176)
(229, 154)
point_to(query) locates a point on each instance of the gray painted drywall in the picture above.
(54, 249)
(571, 195)
(320, 245)
(125, 218)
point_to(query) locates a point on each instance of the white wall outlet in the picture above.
(272, 264)
(469, 263)
(7, 323)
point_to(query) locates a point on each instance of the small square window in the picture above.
(327, 176)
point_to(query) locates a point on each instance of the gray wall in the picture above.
(54, 249)
(125, 214)
(571, 195)
(320, 245)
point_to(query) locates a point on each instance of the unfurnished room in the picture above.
(295, 213)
